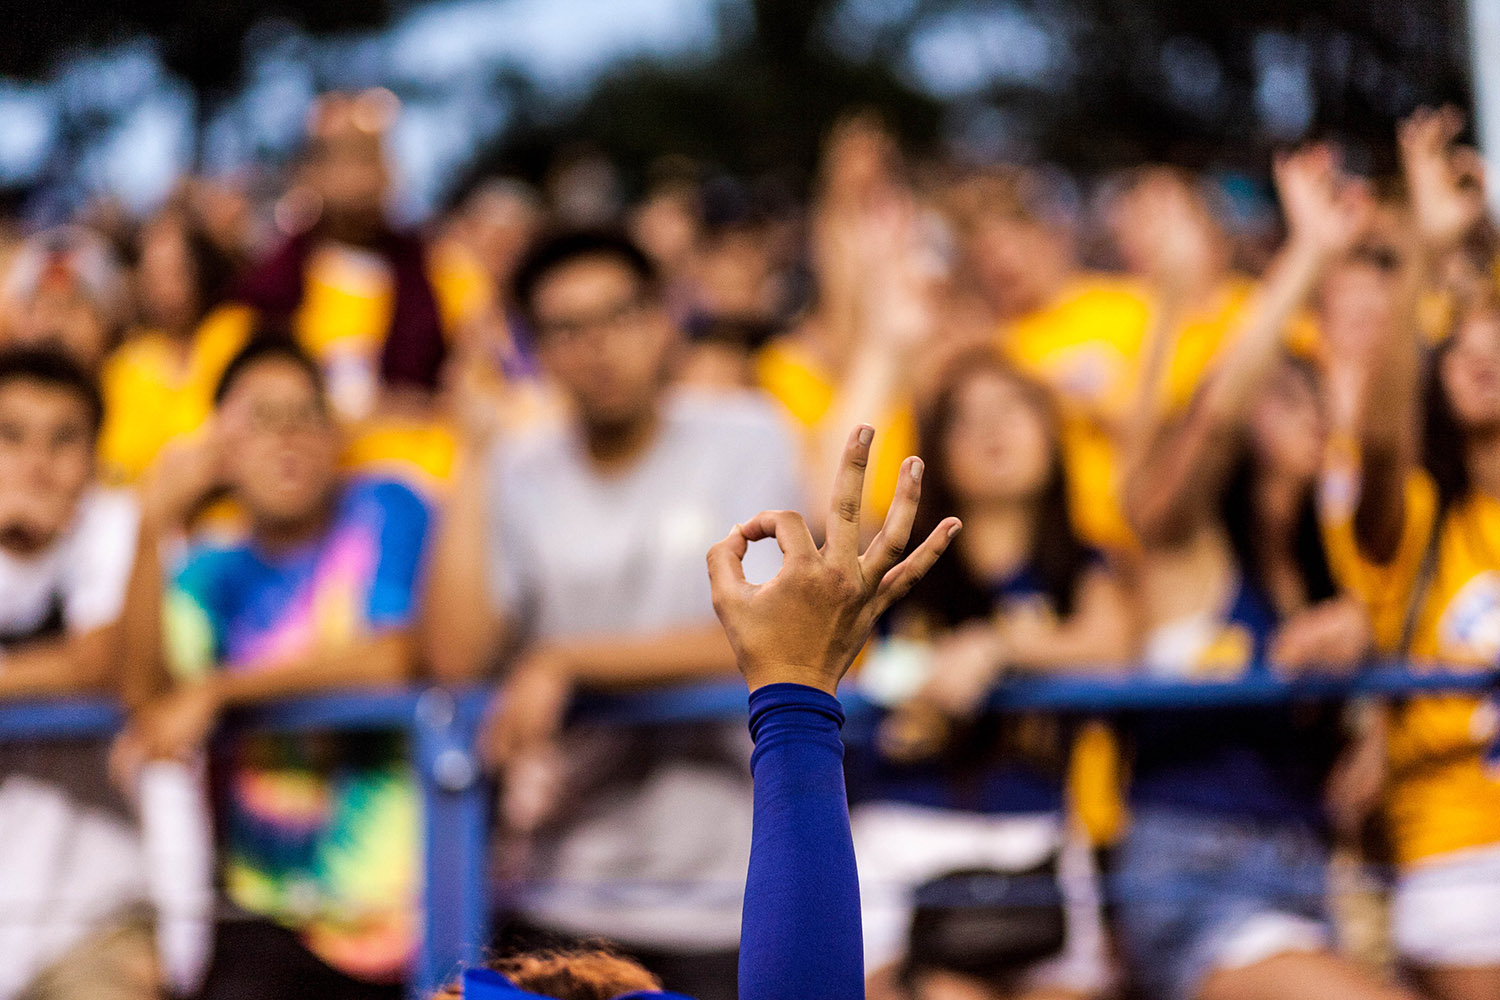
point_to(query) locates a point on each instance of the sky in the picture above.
(114, 120)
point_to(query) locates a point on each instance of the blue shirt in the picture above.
(985, 770)
(1265, 764)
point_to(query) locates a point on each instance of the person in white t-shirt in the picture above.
(69, 856)
(579, 547)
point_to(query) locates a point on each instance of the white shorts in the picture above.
(1445, 911)
(899, 847)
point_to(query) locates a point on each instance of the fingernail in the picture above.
(916, 470)
(954, 530)
(866, 435)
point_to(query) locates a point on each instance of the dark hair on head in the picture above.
(558, 249)
(1241, 521)
(55, 369)
(589, 971)
(951, 593)
(268, 345)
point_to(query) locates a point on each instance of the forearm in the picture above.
(382, 660)
(1146, 410)
(865, 394)
(74, 665)
(458, 631)
(143, 667)
(1178, 478)
(1073, 648)
(1389, 415)
(1100, 634)
(801, 936)
(1253, 347)
(633, 660)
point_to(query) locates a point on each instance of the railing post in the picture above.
(455, 815)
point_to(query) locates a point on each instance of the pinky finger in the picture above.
(905, 574)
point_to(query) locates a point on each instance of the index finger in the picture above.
(726, 565)
(848, 491)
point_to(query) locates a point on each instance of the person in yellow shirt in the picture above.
(1221, 876)
(849, 359)
(1097, 339)
(369, 303)
(1079, 334)
(1421, 540)
(159, 384)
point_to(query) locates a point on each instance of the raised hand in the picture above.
(806, 624)
(1327, 211)
(899, 276)
(1445, 181)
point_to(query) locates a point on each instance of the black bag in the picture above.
(988, 924)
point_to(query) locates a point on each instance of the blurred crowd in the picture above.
(254, 448)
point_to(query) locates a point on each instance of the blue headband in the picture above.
(487, 984)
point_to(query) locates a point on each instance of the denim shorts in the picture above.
(1197, 893)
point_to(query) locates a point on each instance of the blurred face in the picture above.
(666, 227)
(998, 445)
(282, 449)
(165, 277)
(1287, 426)
(1163, 197)
(1470, 372)
(604, 340)
(500, 226)
(46, 461)
(1357, 304)
(63, 315)
(1017, 262)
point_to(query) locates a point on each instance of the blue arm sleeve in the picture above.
(801, 938)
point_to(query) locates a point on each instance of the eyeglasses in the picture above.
(265, 418)
(611, 319)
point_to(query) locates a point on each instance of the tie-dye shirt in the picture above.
(322, 830)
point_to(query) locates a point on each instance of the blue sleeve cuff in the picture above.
(818, 709)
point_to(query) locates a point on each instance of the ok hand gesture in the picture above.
(806, 624)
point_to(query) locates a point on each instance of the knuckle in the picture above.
(848, 508)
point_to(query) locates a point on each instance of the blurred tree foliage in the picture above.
(1131, 88)
(1189, 82)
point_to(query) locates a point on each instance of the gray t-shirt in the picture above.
(652, 847)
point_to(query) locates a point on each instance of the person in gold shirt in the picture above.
(158, 385)
(848, 360)
(1097, 340)
(1079, 334)
(367, 301)
(1419, 495)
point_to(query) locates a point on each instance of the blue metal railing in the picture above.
(442, 727)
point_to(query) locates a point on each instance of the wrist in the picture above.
(764, 675)
(558, 662)
(1305, 252)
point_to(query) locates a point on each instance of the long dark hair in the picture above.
(1443, 437)
(952, 593)
(1242, 523)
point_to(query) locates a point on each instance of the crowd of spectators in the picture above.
(252, 450)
